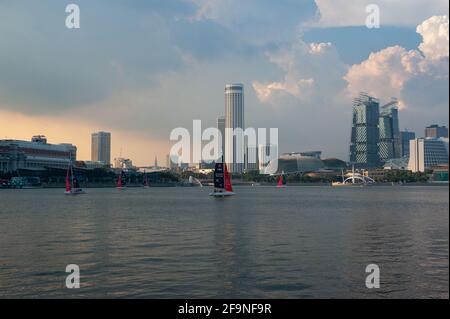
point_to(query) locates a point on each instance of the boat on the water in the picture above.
(282, 181)
(72, 183)
(222, 182)
(354, 179)
(121, 181)
(194, 181)
(146, 182)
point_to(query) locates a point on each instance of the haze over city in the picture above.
(139, 69)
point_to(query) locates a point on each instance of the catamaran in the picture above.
(222, 181)
(354, 179)
(72, 184)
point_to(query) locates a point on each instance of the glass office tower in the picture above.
(389, 144)
(365, 132)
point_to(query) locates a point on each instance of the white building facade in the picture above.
(426, 153)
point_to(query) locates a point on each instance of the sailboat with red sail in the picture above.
(282, 181)
(121, 181)
(72, 183)
(222, 181)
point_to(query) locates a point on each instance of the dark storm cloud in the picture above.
(122, 45)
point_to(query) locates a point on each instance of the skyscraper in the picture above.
(101, 147)
(221, 128)
(436, 131)
(389, 145)
(234, 119)
(405, 137)
(365, 132)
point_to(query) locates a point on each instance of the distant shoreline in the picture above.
(430, 184)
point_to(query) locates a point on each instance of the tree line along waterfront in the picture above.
(105, 177)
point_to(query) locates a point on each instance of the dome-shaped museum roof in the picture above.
(294, 163)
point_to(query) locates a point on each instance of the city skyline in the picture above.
(300, 72)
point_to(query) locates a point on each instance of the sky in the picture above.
(142, 68)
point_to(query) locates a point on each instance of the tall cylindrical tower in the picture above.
(234, 120)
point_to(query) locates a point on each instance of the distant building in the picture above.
(123, 163)
(365, 133)
(101, 147)
(234, 119)
(397, 163)
(436, 131)
(426, 153)
(37, 154)
(93, 165)
(266, 153)
(294, 163)
(389, 140)
(334, 164)
(316, 154)
(221, 128)
(251, 159)
(405, 137)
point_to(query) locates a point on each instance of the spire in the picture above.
(156, 161)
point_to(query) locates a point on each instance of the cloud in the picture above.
(310, 70)
(341, 13)
(392, 71)
(257, 21)
(434, 32)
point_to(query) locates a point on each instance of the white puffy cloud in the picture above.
(298, 88)
(435, 37)
(388, 72)
(342, 13)
(310, 68)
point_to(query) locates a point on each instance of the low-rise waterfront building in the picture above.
(34, 154)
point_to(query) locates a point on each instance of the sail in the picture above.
(219, 181)
(146, 184)
(68, 183)
(228, 186)
(119, 181)
(280, 181)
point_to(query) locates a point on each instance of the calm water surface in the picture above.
(300, 242)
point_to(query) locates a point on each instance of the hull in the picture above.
(349, 185)
(75, 192)
(221, 194)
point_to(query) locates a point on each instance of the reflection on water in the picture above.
(300, 242)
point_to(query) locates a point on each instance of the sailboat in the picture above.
(72, 184)
(146, 183)
(282, 181)
(121, 181)
(222, 181)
